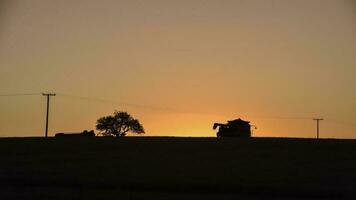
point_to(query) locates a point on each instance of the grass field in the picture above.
(177, 168)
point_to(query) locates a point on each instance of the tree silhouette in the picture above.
(119, 125)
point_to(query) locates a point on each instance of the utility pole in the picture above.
(48, 95)
(317, 126)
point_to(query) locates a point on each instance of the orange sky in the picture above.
(182, 64)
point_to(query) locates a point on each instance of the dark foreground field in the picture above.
(177, 168)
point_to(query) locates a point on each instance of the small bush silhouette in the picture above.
(119, 124)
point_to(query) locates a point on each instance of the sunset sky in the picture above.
(180, 65)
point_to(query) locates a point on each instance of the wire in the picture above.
(283, 118)
(174, 110)
(340, 122)
(19, 94)
(118, 102)
(150, 107)
(154, 107)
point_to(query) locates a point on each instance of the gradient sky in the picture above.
(180, 65)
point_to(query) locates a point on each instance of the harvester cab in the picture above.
(233, 128)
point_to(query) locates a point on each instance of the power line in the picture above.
(95, 99)
(174, 110)
(344, 123)
(19, 94)
(150, 106)
(281, 118)
(121, 103)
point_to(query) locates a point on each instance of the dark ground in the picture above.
(177, 168)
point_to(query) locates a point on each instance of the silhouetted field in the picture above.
(177, 168)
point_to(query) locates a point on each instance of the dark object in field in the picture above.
(82, 134)
(234, 128)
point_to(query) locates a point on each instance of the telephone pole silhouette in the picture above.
(317, 126)
(48, 95)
